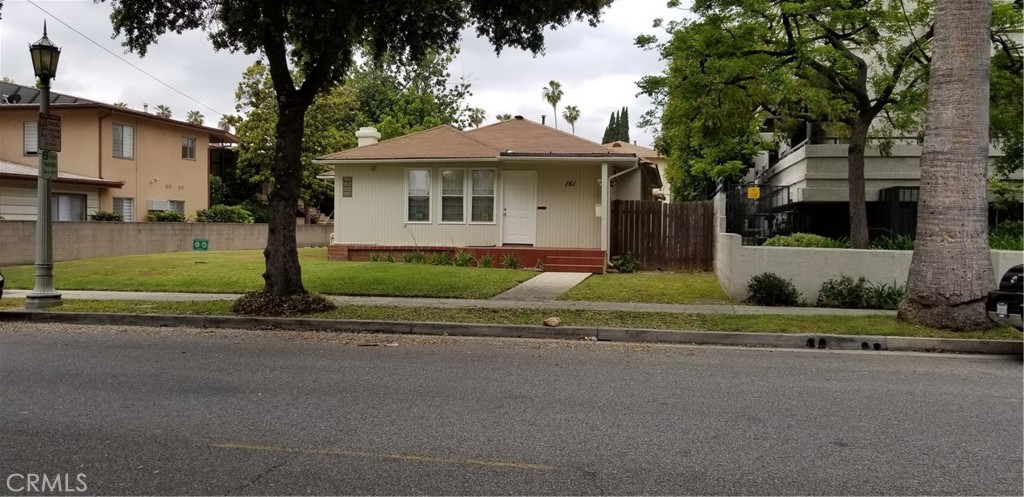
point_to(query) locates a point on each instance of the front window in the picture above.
(418, 193)
(453, 193)
(124, 141)
(67, 207)
(178, 206)
(31, 137)
(188, 148)
(483, 196)
(125, 206)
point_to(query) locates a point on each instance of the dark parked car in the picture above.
(1005, 304)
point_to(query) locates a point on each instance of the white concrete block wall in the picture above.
(808, 268)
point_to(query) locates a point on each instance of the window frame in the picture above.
(441, 195)
(55, 209)
(130, 218)
(172, 209)
(113, 137)
(24, 138)
(195, 145)
(493, 196)
(430, 195)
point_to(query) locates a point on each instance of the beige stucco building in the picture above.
(111, 159)
(512, 184)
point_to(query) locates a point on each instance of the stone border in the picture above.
(634, 335)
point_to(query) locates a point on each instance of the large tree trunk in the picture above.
(283, 276)
(855, 168)
(951, 271)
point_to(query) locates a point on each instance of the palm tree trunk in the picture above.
(951, 270)
(554, 115)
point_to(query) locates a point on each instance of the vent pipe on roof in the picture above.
(367, 136)
(145, 107)
(543, 118)
(519, 118)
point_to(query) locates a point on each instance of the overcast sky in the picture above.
(598, 67)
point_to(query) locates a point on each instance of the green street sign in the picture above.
(200, 244)
(49, 164)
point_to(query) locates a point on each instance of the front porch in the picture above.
(551, 259)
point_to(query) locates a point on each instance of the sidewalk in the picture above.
(487, 304)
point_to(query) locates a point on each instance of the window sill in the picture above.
(483, 223)
(419, 222)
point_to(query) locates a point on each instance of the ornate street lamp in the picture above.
(44, 60)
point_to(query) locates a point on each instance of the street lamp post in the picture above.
(44, 60)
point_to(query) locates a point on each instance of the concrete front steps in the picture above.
(585, 263)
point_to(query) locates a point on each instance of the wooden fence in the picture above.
(667, 236)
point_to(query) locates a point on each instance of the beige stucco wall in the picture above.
(818, 173)
(374, 214)
(92, 239)
(156, 172)
(808, 268)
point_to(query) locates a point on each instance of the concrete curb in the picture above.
(635, 335)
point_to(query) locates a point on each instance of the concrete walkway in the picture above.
(485, 304)
(544, 286)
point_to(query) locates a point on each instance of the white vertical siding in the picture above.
(18, 199)
(375, 213)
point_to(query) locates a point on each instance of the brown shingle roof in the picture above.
(513, 138)
(626, 147)
(442, 142)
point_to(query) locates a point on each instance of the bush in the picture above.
(389, 257)
(1007, 235)
(374, 257)
(106, 216)
(805, 240)
(462, 258)
(224, 214)
(265, 304)
(627, 264)
(259, 211)
(844, 293)
(486, 260)
(439, 259)
(893, 242)
(165, 217)
(771, 290)
(416, 257)
(885, 295)
(510, 261)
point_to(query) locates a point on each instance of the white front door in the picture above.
(519, 197)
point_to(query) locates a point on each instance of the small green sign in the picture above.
(49, 160)
(200, 244)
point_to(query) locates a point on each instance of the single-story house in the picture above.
(512, 187)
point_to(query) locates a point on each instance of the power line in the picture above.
(122, 59)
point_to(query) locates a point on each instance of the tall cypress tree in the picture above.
(623, 123)
(610, 131)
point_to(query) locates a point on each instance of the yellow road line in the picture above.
(387, 455)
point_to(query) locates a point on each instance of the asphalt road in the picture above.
(146, 411)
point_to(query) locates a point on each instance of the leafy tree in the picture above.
(477, 116)
(571, 114)
(839, 64)
(610, 130)
(291, 35)
(503, 117)
(195, 117)
(163, 111)
(951, 270)
(552, 94)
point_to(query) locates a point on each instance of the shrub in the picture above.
(770, 289)
(259, 211)
(486, 260)
(165, 217)
(510, 261)
(389, 257)
(845, 293)
(224, 214)
(627, 264)
(462, 258)
(374, 256)
(439, 259)
(885, 295)
(106, 216)
(1007, 235)
(806, 240)
(893, 242)
(265, 304)
(415, 257)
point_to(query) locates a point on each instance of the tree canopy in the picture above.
(316, 40)
(618, 127)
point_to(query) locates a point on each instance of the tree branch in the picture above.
(905, 55)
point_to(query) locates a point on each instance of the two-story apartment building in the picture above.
(112, 159)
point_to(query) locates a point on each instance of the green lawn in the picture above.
(649, 287)
(240, 271)
(835, 325)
